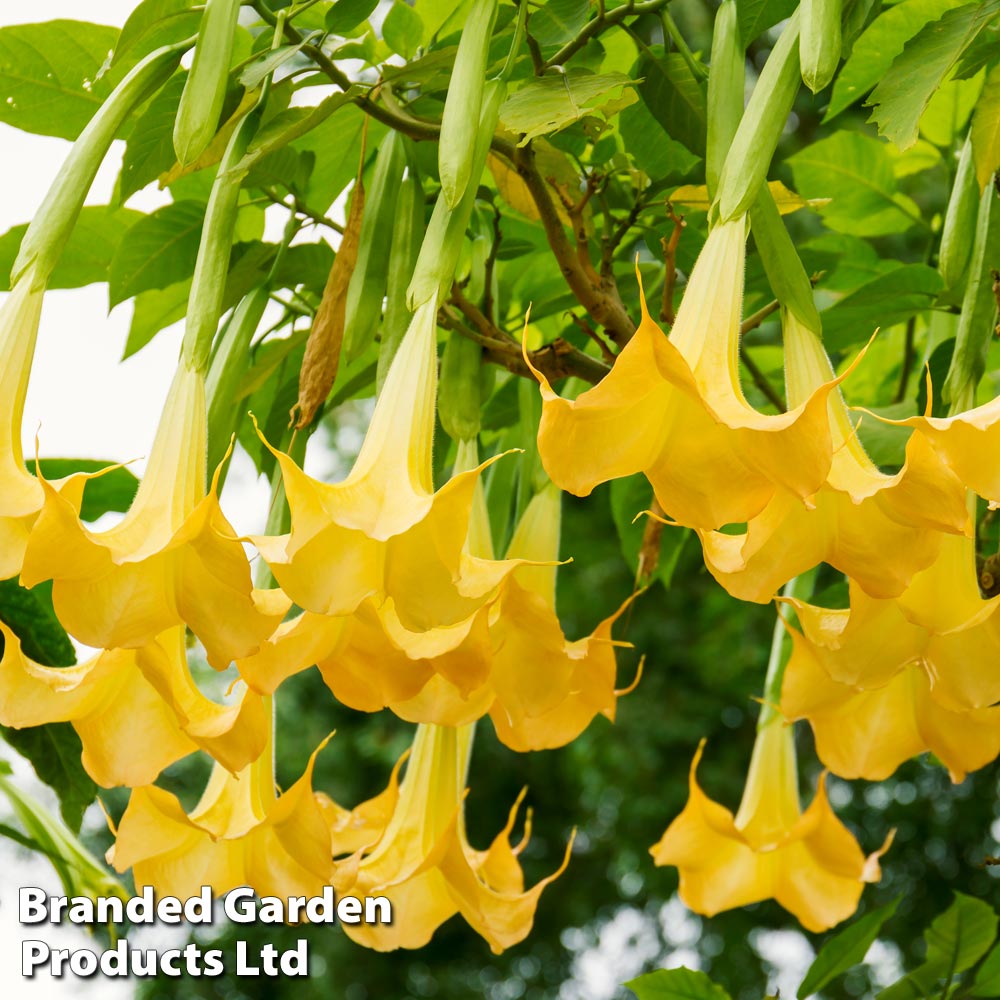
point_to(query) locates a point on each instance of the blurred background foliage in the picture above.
(870, 234)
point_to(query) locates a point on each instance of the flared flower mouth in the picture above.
(410, 845)
(241, 833)
(673, 408)
(869, 731)
(136, 711)
(807, 861)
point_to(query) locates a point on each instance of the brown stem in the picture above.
(606, 351)
(599, 297)
(909, 356)
(602, 22)
(761, 381)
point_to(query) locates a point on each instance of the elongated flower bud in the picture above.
(760, 128)
(54, 220)
(787, 276)
(820, 41)
(725, 91)
(959, 232)
(462, 107)
(205, 89)
(976, 323)
(228, 366)
(442, 244)
(459, 395)
(407, 235)
(215, 249)
(367, 287)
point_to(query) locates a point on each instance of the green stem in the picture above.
(698, 71)
(777, 659)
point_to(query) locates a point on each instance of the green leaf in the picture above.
(856, 173)
(47, 75)
(905, 90)
(675, 99)
(845, 949)
(54, 751)
(937, 366)
(155, 310)
(878, 46)
(558, 21)
(551, 103)
(154, 23)
(403, 30)
(158, 251)
(654, 152)
(93, 243)
(30, 616)
(960, 936)
(114, 490)
(756, 16)
(254, 73)
(987, 981)
(149, 151)
(884, 301)
(676, 984)
(345, 15)
(986, 129)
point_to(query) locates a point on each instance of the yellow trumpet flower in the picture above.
(961, 441)
(808, 862)
(136, 711)
(510, 659)
(674, 410)
(241, 833)
(384, 532)
(173, 558)
(21, 495)
(940, 622)
(411, 846)
(869, 732)
(878, 529)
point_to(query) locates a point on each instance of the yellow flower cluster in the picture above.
(403, 606)
(909, 667)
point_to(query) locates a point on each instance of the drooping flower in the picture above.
(173, 558)
(411, 846)
(673, 409)
(21, 495)
(510, 660)
(868, 732)
(962, 441)
(242, 832)
(136, 710)
(384, 532)
(878, 529)
(940, 622)
(808, 862)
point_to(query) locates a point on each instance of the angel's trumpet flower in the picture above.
(962, 441)
(808, 862)
(674, 410)
(383, 531)
(173, 558)
(510, 659)
(21, 496)
(241, 833)
(878, 529)
(411, 847)
(940, 622)
(868, 732)
(136, 711)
